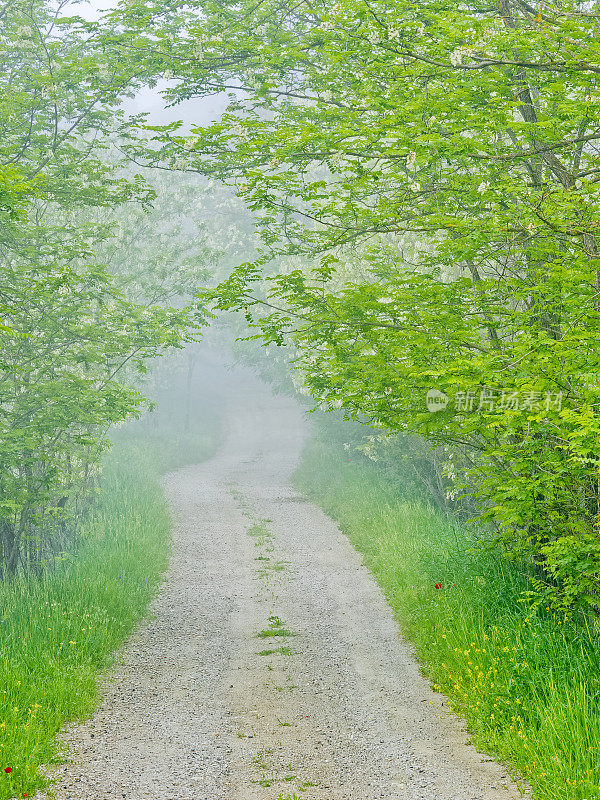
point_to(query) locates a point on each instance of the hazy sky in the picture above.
(193, 112)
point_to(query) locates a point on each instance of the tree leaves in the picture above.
(444, 157)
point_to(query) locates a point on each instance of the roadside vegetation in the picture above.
(61, 629)
(526, 681)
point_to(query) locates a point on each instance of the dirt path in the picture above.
(272, 666)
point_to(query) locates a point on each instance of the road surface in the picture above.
(271, 666)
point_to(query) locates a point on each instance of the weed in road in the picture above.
(276, 628)
(266, 780)
(238, 497)
(272, 568)
(305, 785)
(259, 760)
(282, 651)
(284, 724)
(260, 533)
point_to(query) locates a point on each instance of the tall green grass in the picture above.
(528, 684)
(59, 631)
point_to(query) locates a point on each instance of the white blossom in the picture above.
(240, 132)
(483, 187)
(415, 186)
(411, 161)
(456, 58)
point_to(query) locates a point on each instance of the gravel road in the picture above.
(271, 666)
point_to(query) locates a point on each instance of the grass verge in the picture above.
(60, 631)
(528, 684)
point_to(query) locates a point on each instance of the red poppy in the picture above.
(438, 586)
(7, 769)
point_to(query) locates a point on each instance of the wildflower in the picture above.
(438, 586)
(483, 187)
(7, 769)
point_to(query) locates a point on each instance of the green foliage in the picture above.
(89, 291)
(526, 681)
(451, 150)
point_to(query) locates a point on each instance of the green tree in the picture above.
(73, 334)
(472, 129)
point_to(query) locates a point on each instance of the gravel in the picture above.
(201, 707)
